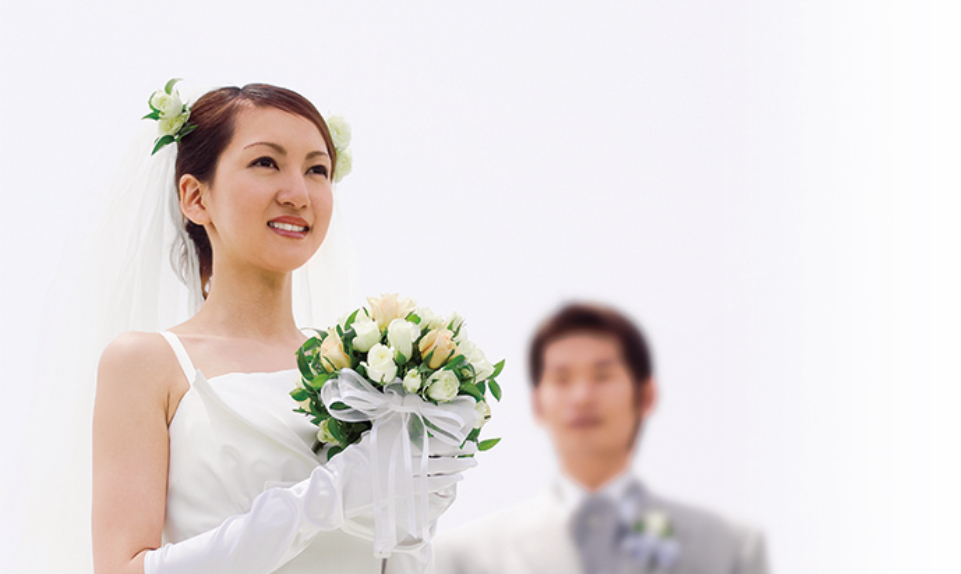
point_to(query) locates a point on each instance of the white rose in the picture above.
(380, 364)
(344, 165)
(339, 131)
(412, 381)
(169, 105)
(454, 322)
(482, 367)
(323, 433)
(483, 413)
(443, 386)
(367, 332)
(401, 335)
(170, 126)
(428, 318)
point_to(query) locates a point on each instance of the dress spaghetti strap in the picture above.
(182, 357)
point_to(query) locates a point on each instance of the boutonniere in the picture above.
(651, 540)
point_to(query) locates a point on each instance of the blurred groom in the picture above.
(593, 389)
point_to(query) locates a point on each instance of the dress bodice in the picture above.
(231, 438)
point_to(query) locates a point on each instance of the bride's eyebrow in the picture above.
(276, 147)
(316, 153)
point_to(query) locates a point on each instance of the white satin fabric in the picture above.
(233, 437)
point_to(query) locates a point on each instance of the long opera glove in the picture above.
(282, 521)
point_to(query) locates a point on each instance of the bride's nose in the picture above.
(293, 192)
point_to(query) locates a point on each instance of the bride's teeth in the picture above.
(287, 226)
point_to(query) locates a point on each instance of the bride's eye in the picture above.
(263, 162)
(319, 170)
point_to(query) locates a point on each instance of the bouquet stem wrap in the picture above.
(401, 421)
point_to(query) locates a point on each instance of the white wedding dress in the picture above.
(234, 436)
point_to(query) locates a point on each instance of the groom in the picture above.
(593, 390)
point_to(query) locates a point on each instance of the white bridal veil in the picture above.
(123, 274)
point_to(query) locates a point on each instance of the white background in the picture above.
(770, 188)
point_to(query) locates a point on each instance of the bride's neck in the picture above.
(249, 304)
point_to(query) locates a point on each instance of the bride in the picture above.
(200, 464)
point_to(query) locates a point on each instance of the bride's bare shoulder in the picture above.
(138, 356)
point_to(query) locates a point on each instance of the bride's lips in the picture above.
(289, 226)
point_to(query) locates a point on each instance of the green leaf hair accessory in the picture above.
(340, 135)
(171, 114)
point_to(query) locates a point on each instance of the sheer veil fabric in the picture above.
(121, 274)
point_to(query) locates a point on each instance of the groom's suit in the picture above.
(537, 538)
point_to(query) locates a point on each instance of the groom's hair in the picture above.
(579, 317)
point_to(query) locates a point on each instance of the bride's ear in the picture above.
(192, 203)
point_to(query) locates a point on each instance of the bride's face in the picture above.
(269, 202)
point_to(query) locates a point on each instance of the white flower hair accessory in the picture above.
(340, 135)
(171, 114)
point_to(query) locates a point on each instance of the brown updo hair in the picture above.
(198, 152)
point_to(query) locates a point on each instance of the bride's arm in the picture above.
(137, 373)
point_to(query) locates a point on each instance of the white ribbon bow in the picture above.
(402, 418)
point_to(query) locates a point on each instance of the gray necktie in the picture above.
(597, 531)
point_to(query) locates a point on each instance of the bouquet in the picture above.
(403, 373)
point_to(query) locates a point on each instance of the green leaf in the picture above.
(186, 130)
(497, 369)
(414, 318)
(334, 450)
(495, 389)
(482, 387)
(300, 394)
(154, 115)
(487, 444)
(338, 406)
(161, 142)
(472, 390)
(400, 359)
(311, 344)
(455, 362)
(317, 382)
(474, 435)
(170, 85)
(337, 431)
(350, 320)
(304, 365)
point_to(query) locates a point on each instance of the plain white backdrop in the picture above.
(771, 189)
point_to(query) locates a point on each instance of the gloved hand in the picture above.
(444, 467)
(414, 556)
(282, 521)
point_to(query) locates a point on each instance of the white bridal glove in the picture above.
(282, 521)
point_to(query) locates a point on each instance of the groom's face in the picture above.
(586, 397)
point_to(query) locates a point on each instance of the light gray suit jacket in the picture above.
(535, 538)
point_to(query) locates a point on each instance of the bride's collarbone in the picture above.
(216, 356)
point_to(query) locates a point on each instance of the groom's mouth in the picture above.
(584, 422)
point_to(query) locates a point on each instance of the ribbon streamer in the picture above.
(401, 422)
